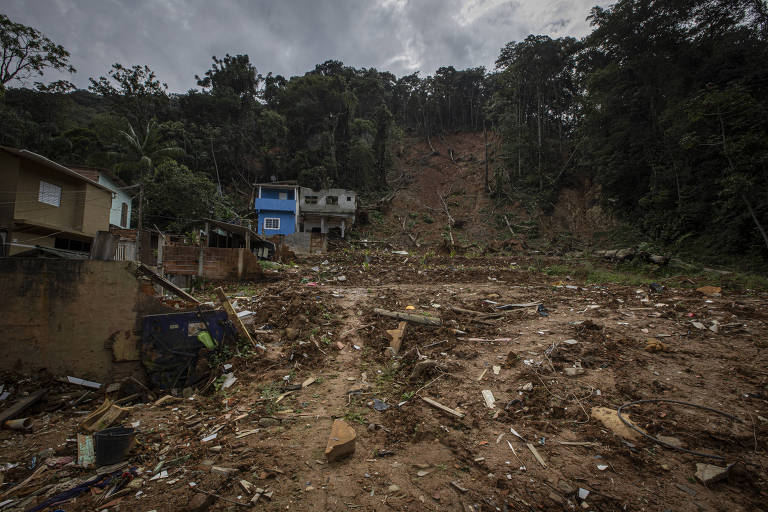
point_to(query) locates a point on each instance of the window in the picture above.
(124, 216)
(49, 194)
(282, 196)
(349, 199)
(310, 200)
(332, 200)
(271, 223)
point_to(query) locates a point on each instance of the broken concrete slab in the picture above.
(709, 473)
(341, 441)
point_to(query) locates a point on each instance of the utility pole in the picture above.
(140, 223)
(485, 135)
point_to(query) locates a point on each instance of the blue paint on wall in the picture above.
(287, 223)
(274, 193)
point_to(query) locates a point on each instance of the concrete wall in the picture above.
(218, 263)
(79, 318)
(346, 200)
(302, 243)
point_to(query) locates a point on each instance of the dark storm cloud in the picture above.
(176, 38)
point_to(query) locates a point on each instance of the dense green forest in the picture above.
(663, 105)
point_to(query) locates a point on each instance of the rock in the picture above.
(709, 290)
(709, 473)
(200, 502)
(672, 441)
(528, 386)
(393, 488)
(610, 419)
(341, 278)
(268, 422)
(572, 372)
(291, 333)
(654, 345)
(341, 441)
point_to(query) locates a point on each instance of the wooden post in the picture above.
(202, 250)
(233, 315)
(140, 223)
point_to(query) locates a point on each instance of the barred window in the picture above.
(49, 194)
(271, 223)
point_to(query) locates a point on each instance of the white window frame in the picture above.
(49, 194)
(275, 220)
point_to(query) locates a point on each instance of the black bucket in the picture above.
(112, 444)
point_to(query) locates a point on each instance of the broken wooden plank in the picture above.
(408, 317)
(536, 454)
(22, 404)
(443, 408)
(165, 283)
(236, 321)
(397, 338)
(490, 401)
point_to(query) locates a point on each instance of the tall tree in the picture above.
(26, 53)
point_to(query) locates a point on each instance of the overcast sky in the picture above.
(176, 38)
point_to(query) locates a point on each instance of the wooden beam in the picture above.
(417, 319)
(166, 284)
(19, 406)
(443, 408)
(233, 316)
(397, 337)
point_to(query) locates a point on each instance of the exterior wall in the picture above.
(274, 193)
(347, 200)
(218, 263)
(9, 177)
(68, 216)
(95, 210)
(116, 211)
(302, 243)
(79, 318)
(287, 223)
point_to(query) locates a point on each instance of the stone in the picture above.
(341, 441)
(528, 386)
(556, 498)
(200, 502)
(268, 422)
(572, 372)
(709, 473)
(610, 419)
(393, 488)
(672, 441)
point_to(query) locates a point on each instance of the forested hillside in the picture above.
(662, 106)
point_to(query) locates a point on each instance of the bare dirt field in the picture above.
(557, 373)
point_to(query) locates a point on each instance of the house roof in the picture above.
(34, 157)
(279, 184)
(49, 252)
(234, 228)
(87, 171)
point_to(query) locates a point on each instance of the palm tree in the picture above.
(140, 152)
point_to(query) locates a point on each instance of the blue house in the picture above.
(277, 206)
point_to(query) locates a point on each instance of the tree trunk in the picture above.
(756, 220)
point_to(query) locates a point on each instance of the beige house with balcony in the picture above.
(43, 203)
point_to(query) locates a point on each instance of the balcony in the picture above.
(275, 205)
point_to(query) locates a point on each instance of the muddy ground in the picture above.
(413, 456)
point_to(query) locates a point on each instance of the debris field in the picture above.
(406, 382)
